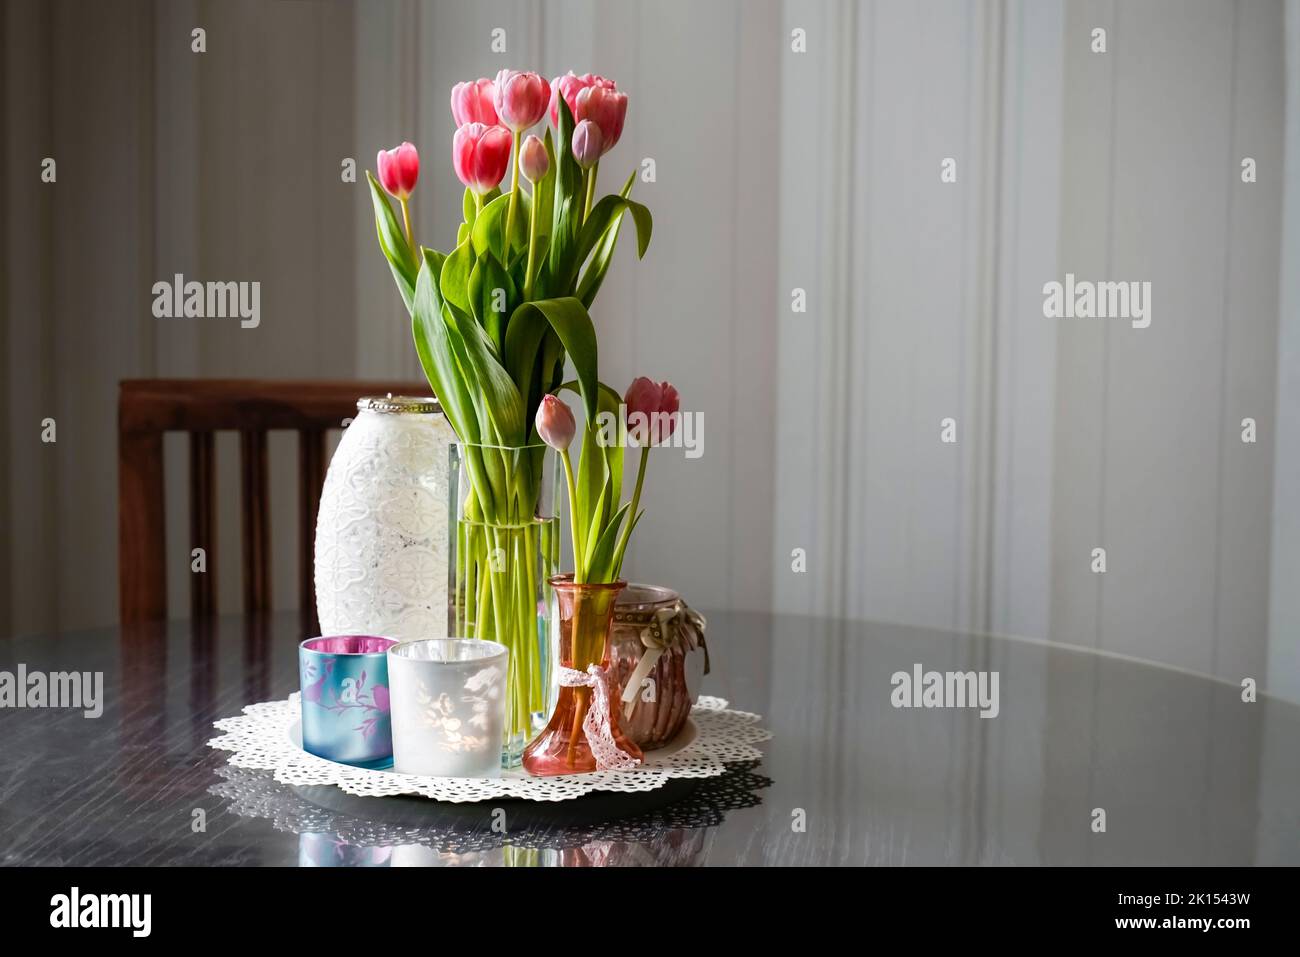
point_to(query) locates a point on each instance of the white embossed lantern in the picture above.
(381, 532)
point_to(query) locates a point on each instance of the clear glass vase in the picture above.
(504, 548)
(583, 616)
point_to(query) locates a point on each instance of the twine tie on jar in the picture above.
(596, 725)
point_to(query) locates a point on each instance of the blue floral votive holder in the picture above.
(345, 706)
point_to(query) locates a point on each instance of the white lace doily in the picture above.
(261, 738)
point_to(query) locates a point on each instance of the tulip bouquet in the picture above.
(495, 319)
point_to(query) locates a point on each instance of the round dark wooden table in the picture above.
(1184, 770)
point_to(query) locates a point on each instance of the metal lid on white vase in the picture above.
(401, 404)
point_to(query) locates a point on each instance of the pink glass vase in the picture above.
(585, 614)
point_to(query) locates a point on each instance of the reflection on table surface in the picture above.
(673, 834)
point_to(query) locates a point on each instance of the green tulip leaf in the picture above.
(612, 451)
(544, 204)
(468, 207)
(492, 297)
(600, 236)
(591, 478)
(595, 525)
(558, 255)
(501, 407)
(488, 233)
(577, 333)
(616, 566)
(566, 207)
(433, 345)
(607, 214)
(454, 281)
(392, 241)
(601, 556)
(551, 364)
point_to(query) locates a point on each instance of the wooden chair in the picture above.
(149, 407)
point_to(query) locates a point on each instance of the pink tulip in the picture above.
(555, 423)
(480, 155)
(473, 103)
(607, 108)
(652, 410)
(521, 99)
(569, 86)
(586, 143)
(398, 169)
(533, 161)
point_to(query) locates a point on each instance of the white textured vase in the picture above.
(381, 532)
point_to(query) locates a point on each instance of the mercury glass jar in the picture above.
(381, 532)
(650, 656)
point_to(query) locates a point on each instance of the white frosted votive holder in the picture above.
(448, 700)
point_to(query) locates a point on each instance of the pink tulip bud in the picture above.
(569, 86)
(555, 423)
(533, 161)
(652, 411)
(607, 108)
(473, 103)
(481, 155)
(398, 169)
(521, 99)
(586, 143)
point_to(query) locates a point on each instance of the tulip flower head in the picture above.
(481, 155)
(521, 99)
(652, 411)
(398, 169)
(533, 161)
(569, 86)
(555, 423)
(607, 108)
(586, 144)
(473, 103)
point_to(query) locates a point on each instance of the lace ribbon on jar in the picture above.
(596, 725)
(658, 637)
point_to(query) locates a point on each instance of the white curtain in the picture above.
(925, 304)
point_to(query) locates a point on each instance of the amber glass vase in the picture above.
(582, 616)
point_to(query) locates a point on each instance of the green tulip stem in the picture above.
(478, 205)
(406, 221)
(631, 512)
(532, 248)
(590, 177)
(579, 574)
(514, 197)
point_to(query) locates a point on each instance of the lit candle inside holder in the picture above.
(449, 706)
